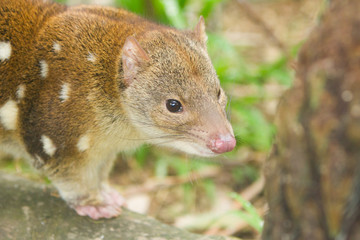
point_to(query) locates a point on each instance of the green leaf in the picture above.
(137, 7)
(210, 188)
(173, 12)
(142, 154)
(253, 129)
(161, 167)
(249, 214)
(208, 7)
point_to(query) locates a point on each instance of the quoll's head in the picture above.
(173, 94)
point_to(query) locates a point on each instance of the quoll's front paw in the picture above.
(109, 208)
(97, 212)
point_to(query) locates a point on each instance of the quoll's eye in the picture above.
(173, 105)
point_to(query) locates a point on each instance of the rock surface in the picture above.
(30, 210)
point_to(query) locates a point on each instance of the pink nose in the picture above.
(222, 143)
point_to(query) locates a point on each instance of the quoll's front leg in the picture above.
(85, 190)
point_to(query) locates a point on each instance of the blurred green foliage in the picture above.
(248, 214)
(170, 12)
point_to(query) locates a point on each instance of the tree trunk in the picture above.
(313, 173)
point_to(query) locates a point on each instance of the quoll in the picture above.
(80, 84)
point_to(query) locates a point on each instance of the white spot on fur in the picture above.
(83, 143)
(5, 50)
(20, 92)
(48, 145)
(44, 68)
(91, 57)
(56, 47)
(64, 92)
(8, 115)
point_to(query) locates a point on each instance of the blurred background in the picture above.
(253, 45)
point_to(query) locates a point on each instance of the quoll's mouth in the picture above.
(222, 143)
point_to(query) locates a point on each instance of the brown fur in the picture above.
(118, 107)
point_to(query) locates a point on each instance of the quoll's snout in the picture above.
(222, 143)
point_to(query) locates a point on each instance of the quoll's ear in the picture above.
(133, 57)
(200, 30)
